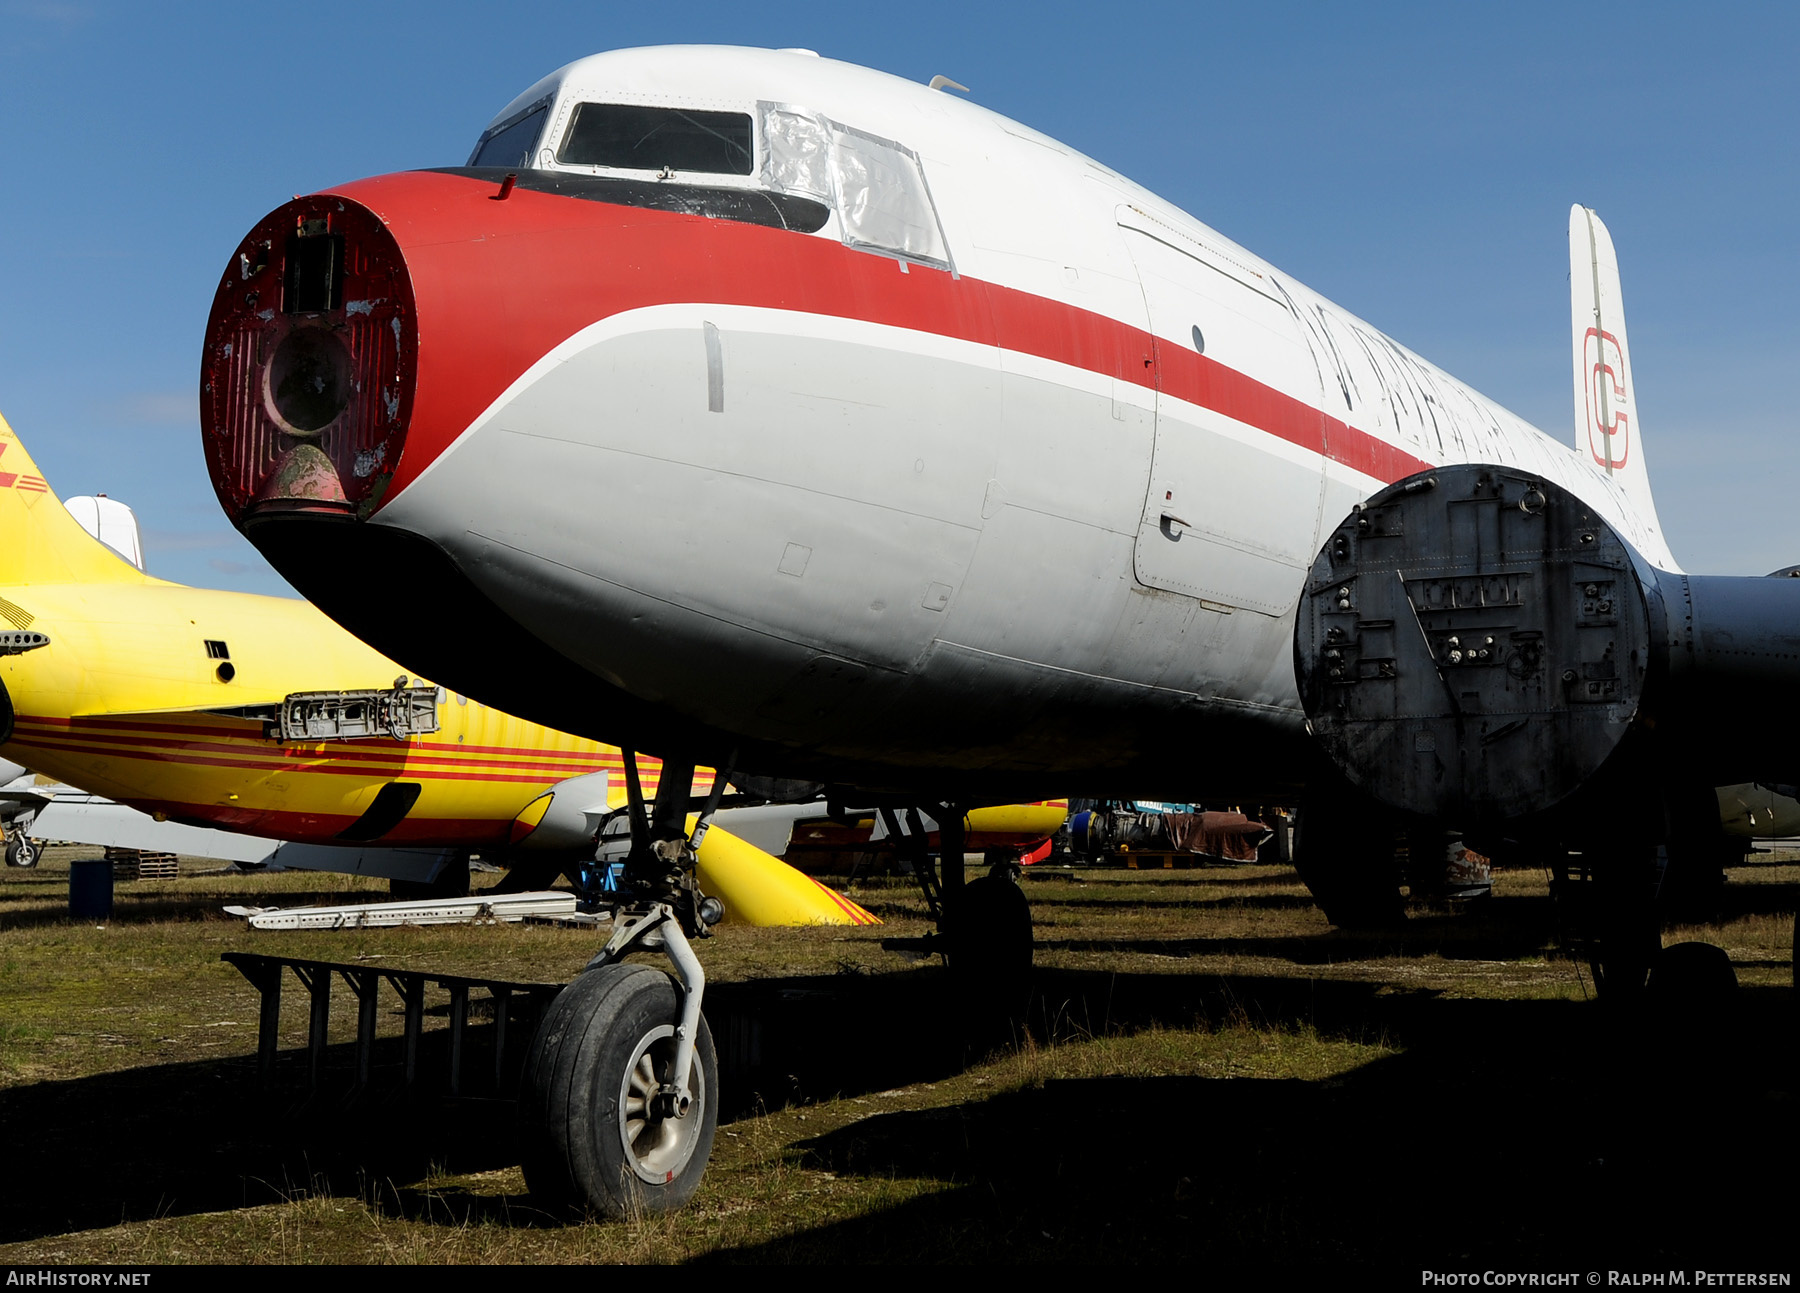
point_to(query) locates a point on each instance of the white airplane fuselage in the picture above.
(1023, 500)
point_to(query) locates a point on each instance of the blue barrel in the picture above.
(90, 889)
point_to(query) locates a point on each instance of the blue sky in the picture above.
(1413, 162)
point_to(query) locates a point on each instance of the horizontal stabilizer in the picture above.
(81, 818)
(415, 866)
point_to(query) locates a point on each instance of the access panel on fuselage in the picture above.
(1232, 511)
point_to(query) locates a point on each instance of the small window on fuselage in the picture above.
(639, 137)
(514, 144)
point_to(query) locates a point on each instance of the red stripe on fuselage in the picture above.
(325, 828)
(177, 748)
(498, 285)
(250, 731)
(349, 763)
(403, 771)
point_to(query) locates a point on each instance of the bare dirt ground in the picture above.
(1211, 1073)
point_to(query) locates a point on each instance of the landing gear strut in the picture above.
(621, 1094)
(984, 925)
(1611, 910)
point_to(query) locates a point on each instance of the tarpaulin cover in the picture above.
(1231, 836)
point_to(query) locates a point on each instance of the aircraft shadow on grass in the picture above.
(1501, 928)
(1451, 937)
(1489, 1127)
(1267, 902)
(1496, 1132)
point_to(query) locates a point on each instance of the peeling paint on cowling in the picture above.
(368, 460)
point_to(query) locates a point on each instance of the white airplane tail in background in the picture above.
(1606, 420)
(111, 522)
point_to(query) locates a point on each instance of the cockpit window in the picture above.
(514, 142)
(647, 138)
(878, 187)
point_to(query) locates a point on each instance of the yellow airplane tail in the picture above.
(40, 543)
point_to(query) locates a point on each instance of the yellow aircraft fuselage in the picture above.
(125, 702)
(131, 699)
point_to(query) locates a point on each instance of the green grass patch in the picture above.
(1211, 1074)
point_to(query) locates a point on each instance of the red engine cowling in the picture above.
(306, 387)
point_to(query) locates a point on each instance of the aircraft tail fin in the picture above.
(40, 543)
(1606, 418)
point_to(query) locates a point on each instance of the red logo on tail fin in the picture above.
(1608, 421)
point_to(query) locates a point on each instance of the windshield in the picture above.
(513, 144)
(655, 139)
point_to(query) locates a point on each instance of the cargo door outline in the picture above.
(1249, 551)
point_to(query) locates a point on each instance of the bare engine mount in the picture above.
(1478, 646)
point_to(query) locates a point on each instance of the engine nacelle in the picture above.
(1479, 646)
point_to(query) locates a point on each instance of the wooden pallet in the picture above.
(1141, 860)
(1165, 860)
(141, 864)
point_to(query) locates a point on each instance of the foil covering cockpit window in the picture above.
(645, 137)
(876, 186)
(513, 142)
(796, 153)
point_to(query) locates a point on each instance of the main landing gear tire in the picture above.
(1344, 852)
(993, 930)
(990, 956)
(1692, 975)
(23, 851)
(593, 1141)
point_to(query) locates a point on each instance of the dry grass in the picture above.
(1211, 1072)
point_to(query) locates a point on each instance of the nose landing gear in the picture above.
(620, 1100)
(600, 1135)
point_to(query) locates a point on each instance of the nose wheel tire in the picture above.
(22, 851)
(596, 1137)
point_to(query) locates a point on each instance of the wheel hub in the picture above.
(658, 1137)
